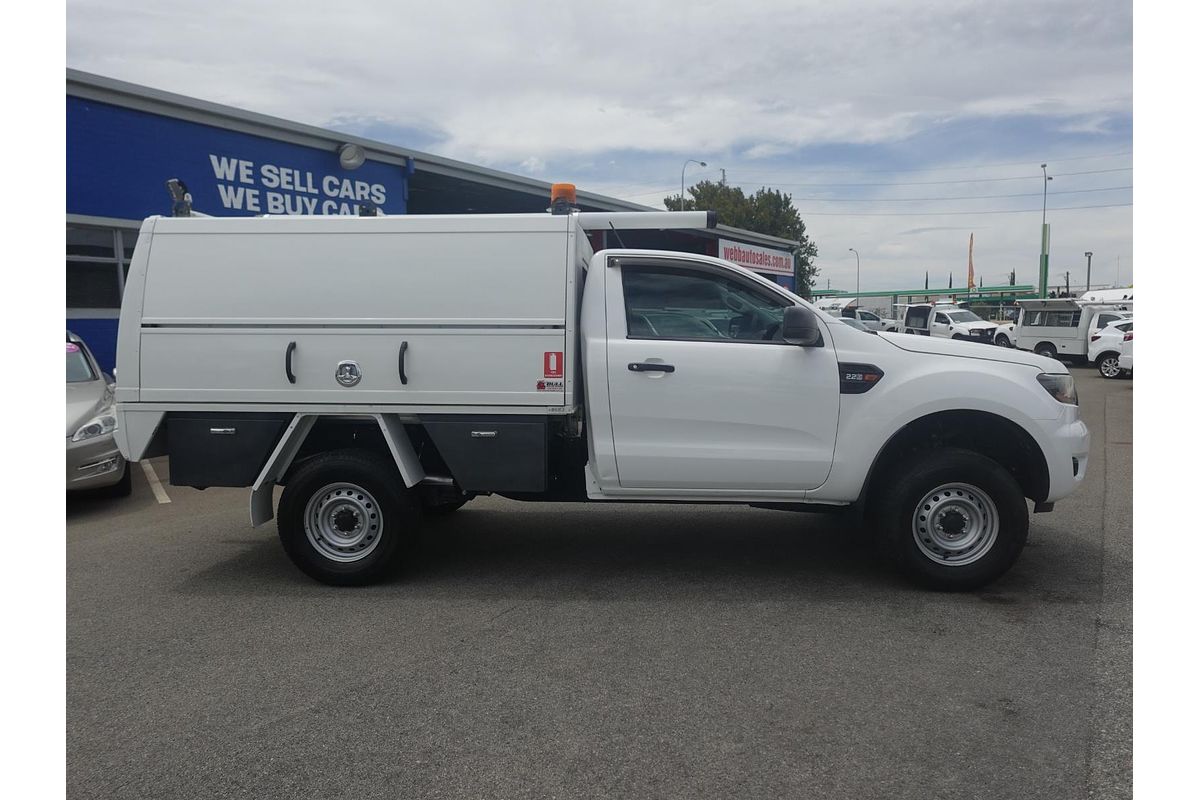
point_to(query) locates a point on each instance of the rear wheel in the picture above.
(1046, 349)
(1108, 365)
(346, 519)
(954, 520)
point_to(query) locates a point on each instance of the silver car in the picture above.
(93, 461)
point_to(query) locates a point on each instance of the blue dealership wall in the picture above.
(119, 159)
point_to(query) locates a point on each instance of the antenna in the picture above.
(614, 230)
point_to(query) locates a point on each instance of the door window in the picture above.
(665, 303)
(867, 316)
(941, 319)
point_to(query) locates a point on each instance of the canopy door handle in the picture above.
(287, 362)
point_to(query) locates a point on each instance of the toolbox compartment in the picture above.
(490, 453)
(221, 449)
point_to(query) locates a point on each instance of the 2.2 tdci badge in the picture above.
(348, 373)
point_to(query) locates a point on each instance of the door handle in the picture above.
(400, 365)
(287, 362)
(650, 366)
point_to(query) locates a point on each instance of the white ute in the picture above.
(385, 368)
(948, 321)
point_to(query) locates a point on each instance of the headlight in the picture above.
(101, 425)
(1060, 387)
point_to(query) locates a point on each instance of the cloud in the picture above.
(504, 81)
(533, 165)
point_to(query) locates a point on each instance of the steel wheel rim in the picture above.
(955, 524)
(343, 522)
(1110, 367)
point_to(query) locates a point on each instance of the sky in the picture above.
(898, 128)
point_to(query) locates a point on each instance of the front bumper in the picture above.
(94, 463)
(982, 335)
(1067, 442)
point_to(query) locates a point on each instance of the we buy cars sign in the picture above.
(755, 258)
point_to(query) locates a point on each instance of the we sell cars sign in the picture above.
(755, 258)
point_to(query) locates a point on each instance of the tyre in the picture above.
(1002, 340)
(1108, 366)
(1046, 349)
(954, 520)
(346, 518)
(959, 337)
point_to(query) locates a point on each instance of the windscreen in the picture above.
(78, 368)
(964, 316)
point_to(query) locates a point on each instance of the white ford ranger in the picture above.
(382, 368)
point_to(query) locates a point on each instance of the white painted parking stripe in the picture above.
(156, 486)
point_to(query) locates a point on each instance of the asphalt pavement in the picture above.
(563, 651)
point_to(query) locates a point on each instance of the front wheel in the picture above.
(958, 337)
(345, 518)
(955, 520)
(1002, 340)
(1109, 366)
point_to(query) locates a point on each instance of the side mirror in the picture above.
(800, 327)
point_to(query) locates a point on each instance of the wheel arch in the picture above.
(983, 432)
(311, 434)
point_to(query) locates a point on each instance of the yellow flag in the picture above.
(971, 263)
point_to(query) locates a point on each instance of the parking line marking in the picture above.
(156, 486)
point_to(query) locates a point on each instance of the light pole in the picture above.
(681, 174)
(1044, 265)
(857, 274)
(1089, 271)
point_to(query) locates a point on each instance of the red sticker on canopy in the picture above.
(552, 364)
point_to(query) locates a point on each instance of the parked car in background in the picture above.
(948, 321)
(1104, 347)
(851, 321)
(93, 460)
(1125, 361)
(854, 323)
(1006, 334)
(1063, 327)
(842, 308)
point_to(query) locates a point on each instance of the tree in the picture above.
(767, 211)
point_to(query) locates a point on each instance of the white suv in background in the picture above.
(1125, 360)
(1104, 347)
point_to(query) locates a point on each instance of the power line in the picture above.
(1037, 210)
(958, 197)
(1026, 162)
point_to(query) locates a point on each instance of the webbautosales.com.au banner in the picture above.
(753, 257)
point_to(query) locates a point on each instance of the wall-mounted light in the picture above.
(351, 156)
